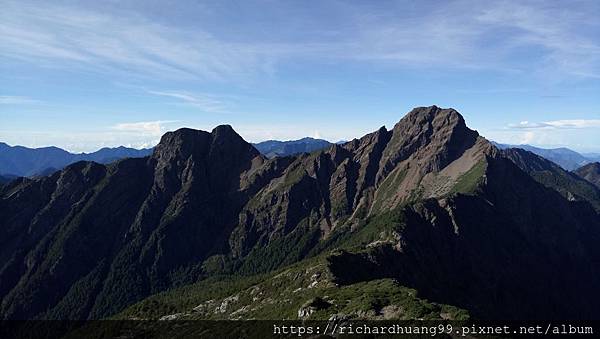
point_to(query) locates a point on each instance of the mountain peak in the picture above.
(188, 139)
(225, 135)
(222, 143)
(434, 133)
(433, 114)
(224, 130)
(183, 141)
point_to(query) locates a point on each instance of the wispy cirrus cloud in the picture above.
(503, 36)
(564, 40)
(73, 36)
(566, 124)
(576, 123)
(204, 102)
(17, 100)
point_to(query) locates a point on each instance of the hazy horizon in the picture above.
(283, 140)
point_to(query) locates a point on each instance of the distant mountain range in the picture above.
(275, 148)
(19, 161)
(566, 158)
(428, 220)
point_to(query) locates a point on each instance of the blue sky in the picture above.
(87, 74)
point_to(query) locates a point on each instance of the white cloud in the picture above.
(150, 128)
(16, 100)
(204, 102)
(528, 125)
(527, 137)
(573, 123)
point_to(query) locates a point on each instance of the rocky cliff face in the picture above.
(91, 239)
(424, 156)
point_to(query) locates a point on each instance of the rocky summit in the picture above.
(428, 206)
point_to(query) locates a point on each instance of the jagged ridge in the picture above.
(92, 239)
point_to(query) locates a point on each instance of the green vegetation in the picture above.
(378, 227)
(282, 251)
(468, 182)
(188, 296)
(304, 290)
(296, 173)
(339, 208)
(383, 298)
(305, 242)
(416, 194)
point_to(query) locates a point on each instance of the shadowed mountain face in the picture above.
(549, 174)
(478, 229)
(590, 172)
(25, 162)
